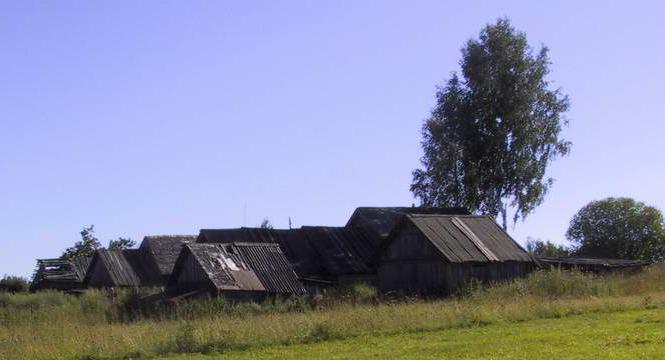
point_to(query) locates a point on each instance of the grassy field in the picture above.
(636, 334)
(52, 325)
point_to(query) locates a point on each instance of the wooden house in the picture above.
(439, 254)
(60, 274)
(238, 271)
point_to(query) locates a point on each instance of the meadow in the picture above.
(51, 325)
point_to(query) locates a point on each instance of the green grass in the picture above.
(636, 334)
(52, 325)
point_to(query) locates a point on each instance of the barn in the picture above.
(60, 274)
(439, 254)
(237, 271)
(117, 268)
(321, 256)
(159, 254)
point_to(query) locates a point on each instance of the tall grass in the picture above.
(52, 325)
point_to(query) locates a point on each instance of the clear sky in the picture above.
(155, 117)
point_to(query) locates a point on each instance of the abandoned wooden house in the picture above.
(159, 254)
(117, 268)
(238, 271)
(321, 256)
(594, 265)
(60, 274)
(439, 254)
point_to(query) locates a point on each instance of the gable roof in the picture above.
(121, 268)
(164, 250)
(468, 238)
(342, 250)
(381, 220)
(242, 266)
(63, 274)
(293, 243)
(315, 252)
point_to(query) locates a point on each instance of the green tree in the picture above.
(618, 228)
(86, 247)
(539, 247)
(493, 132)
(121, 243)
(265, 224)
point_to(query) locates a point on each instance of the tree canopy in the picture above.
(121, 243)
(495, 130)
(86, 247)
(618, 228)
(539, 247)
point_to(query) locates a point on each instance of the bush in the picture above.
(13, 284)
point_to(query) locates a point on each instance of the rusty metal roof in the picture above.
(468, 238)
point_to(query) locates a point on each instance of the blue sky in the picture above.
(158, 117)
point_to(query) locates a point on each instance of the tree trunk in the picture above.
(504, 217)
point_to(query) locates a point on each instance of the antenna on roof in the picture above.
(244, 215)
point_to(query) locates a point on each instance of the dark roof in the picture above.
(381, 220)
(315, 252)
(243, 266)
(293, 242)
(123, 267)
(342, 250)
(271, 267)
(164, 250)
(467, 238)
(63, 274)
(608, 263)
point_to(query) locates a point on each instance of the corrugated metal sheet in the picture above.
(381, 220)
(293, 242)
(315, 252)
(244, 266)
(473, 239)
(271, 267)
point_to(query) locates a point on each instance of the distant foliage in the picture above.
(539, 247)
(618, 228)
(86, 247)
(13, 284)
(121, 244)
(265, 224)
(495, 130)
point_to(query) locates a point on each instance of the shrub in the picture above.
(13, 284)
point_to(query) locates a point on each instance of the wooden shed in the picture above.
(60, 274)
(593, 265)
(321, 256)
(439, 254)
(117, 268)
(238, 271)
(159, 254)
